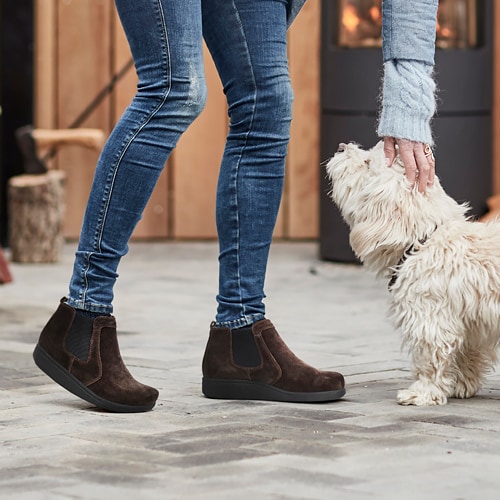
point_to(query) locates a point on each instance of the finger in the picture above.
(407, 154)
(432, 173)
(431, 164)
(389, 150)
(424, 168)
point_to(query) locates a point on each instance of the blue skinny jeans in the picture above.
(247, 40)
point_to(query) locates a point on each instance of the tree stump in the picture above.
(36, 216)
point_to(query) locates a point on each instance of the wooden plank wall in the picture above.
(80, 45)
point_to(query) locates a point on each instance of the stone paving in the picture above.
(54, 446)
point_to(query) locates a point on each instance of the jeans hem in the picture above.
(240, 323)
(95, 308)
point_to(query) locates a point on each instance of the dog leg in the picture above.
(435, 367)
(434, 336)
(473, 364)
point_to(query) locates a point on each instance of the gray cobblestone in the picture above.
(54, 446)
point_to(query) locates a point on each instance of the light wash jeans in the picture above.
(247, 40)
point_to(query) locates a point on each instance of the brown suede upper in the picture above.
(104, 371)
(117, 383)
(279, 366)
(53, 336)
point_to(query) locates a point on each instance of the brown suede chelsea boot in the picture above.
(82, 355)
(255, 363)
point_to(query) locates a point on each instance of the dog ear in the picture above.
(387, 222)
(361, 244)
(369, 237)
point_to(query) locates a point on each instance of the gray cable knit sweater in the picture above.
(408, 91)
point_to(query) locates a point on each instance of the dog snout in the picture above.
(342, 147)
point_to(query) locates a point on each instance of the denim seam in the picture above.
(85, 278)
(240, 159)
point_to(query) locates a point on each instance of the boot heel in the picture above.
(58, 374)
(231, 389)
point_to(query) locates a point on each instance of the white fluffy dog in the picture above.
(444, 271)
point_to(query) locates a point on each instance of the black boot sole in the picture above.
(246, 389)
(62, 377)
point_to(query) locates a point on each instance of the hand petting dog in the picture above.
(417, 157)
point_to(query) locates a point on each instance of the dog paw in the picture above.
(409, 397)
(465, 391)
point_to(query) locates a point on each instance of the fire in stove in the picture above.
(361, 24)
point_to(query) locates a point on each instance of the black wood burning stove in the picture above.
(351, 77)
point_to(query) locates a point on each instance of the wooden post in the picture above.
(36, 215)
(45, 60)
(302, 181)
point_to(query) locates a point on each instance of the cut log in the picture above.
(36, 214)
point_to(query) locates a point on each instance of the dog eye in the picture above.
(342, 147)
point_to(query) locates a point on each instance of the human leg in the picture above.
(80, 352)
(245, 357)
(248, 43)
(165, 39)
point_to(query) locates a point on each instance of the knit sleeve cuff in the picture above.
(408, 101)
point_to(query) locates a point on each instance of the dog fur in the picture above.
(445, 269)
